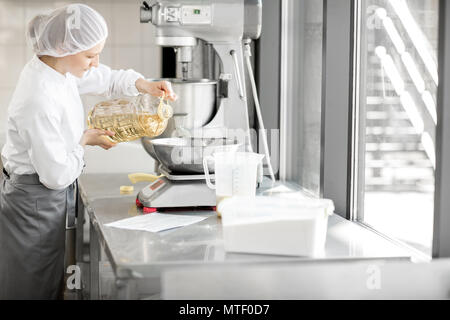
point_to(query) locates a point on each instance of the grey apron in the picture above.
(33, 220)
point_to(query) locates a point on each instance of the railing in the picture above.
(420, 42)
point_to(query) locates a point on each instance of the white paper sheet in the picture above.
(155, 222)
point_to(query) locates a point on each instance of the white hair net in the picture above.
(66, 31)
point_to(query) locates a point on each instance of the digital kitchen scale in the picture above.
(171, 192)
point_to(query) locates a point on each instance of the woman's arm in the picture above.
(105, 81)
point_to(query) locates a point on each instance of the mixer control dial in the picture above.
(172, 14)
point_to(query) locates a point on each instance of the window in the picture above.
(396, 93)
(301, 85)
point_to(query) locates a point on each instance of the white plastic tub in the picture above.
(272, 225)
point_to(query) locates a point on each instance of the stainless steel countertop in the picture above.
(145, 254)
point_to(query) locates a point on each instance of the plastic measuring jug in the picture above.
(235, 173)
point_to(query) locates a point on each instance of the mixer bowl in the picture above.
(185, 155)
(195, 105)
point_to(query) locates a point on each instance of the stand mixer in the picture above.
(226, 27)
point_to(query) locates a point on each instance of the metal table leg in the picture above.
(94, 253)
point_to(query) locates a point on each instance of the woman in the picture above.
(43, 154)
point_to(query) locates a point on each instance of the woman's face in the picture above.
(81, 62)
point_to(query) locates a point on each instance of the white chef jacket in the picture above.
(46, 119)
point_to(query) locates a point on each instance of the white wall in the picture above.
(130, 45)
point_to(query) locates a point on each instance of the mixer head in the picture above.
(179, 23)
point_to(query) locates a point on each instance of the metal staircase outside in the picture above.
(395, 159)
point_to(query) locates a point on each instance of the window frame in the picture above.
(337, 74)
(441, 226)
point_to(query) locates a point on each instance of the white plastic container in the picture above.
(272, 225)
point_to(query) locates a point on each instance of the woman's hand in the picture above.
(96, 137)
(156, 89)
